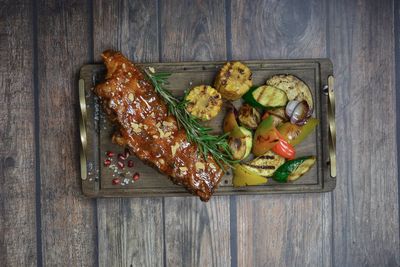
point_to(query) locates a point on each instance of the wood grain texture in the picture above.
(17, 148)
(196, 233)
(266, 29)
(281, 230)
(192, 30)
(68, 225)
(130, 231)
(295, 230)
(366, 220)
(128, 26)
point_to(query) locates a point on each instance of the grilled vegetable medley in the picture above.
(263, 124)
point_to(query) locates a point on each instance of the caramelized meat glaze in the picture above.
(146, 128)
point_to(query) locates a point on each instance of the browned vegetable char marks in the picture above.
(145, 126)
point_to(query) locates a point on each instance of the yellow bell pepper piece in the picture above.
(243, 176)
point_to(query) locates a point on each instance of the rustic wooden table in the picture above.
(45, 219)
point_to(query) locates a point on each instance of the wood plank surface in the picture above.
(130, 231)
(68, 218)
(366, 219)
(196, 233)
(356, 225)
(17, 140)
(281, 230)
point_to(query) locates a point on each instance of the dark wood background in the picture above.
(45, 220)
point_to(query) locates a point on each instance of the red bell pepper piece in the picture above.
(284, 149)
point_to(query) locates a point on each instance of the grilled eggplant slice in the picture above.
(266, 164)
(249, 116)
(233, 80)
(204, 102)
(278, 115)
(294, 88)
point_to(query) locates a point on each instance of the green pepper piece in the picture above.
(282, 173)
(306, 129)
(243, 176)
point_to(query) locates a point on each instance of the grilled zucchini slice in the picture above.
(302, 169)
(266, 164)
(293, 169)
(240, 142)
(294, 88)
(233, 80)
(204, 102)
(268, 97)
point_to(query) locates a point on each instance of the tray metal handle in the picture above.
(332, 125)
(82, 129)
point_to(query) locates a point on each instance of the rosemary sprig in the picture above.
(215, 145)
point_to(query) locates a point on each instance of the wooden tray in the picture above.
(96, 130)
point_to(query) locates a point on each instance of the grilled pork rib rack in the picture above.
(146, 128)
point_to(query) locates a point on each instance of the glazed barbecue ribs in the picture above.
(147, 129)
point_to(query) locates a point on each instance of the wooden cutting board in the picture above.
(96, 131)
